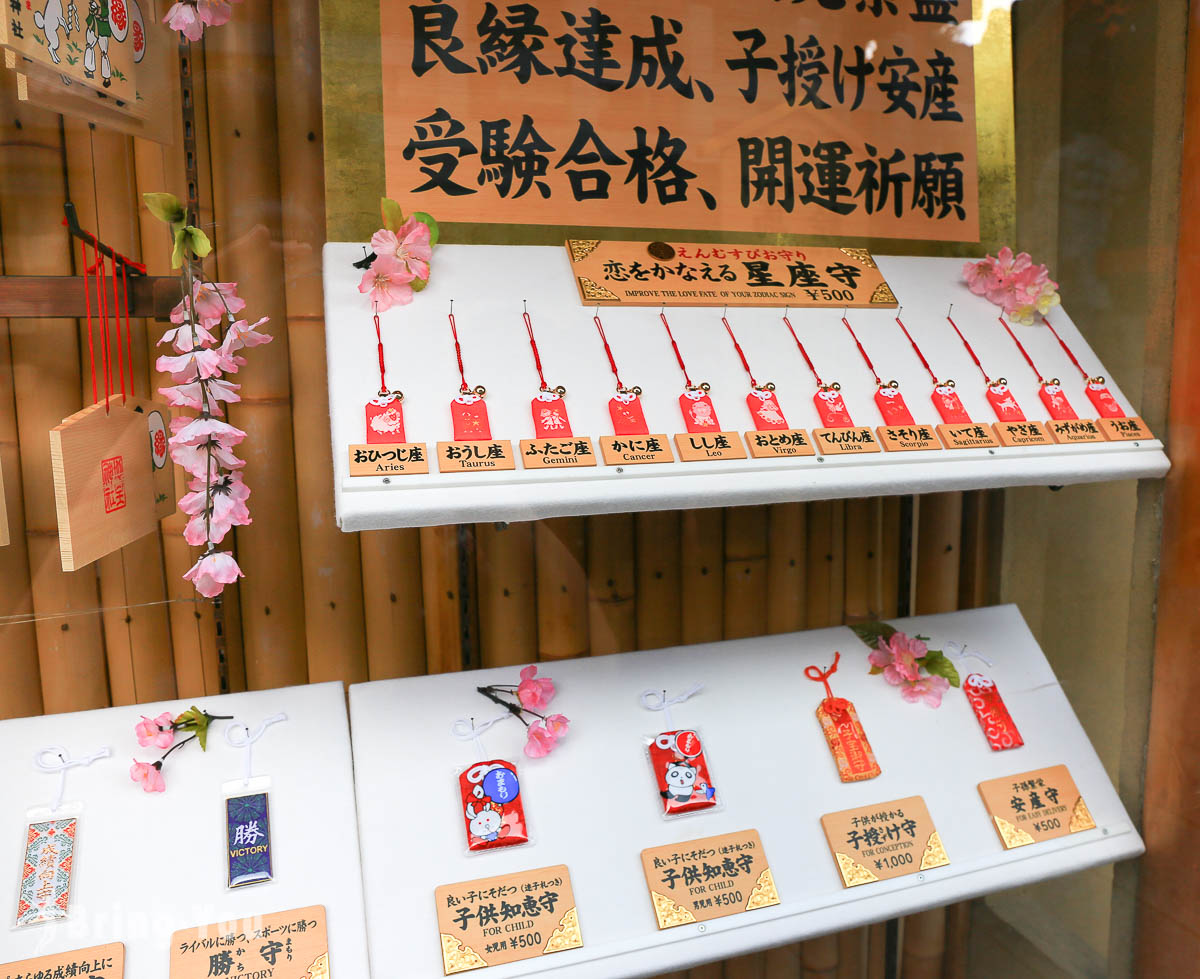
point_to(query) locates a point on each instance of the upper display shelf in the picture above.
(491, 286)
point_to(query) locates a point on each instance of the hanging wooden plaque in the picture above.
(113, 480)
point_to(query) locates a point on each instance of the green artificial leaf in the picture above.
(194, 719)
(177, 252)
(871, 632)
(434, 231)
(875, 670)
(393, 217)
(418, 284)
(165, 207)
(201, 246)
(937, 663)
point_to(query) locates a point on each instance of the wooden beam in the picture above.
(62, 296)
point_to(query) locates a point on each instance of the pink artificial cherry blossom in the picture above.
(191, 395)
(214, 13)
(541, 742)
(534, 692)
(184, 18)
(226, 506)
(181, 337)
(413, 247)
(241, 334)
(387, 281)
(157, 731)
(198, 364)
(556, 725)
(198, 442)
(897, 656)
(928, 689)
(210, 302)
(149, 774)
(213, 572)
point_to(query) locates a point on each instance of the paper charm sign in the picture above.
(113, 480)
(98, 962)
(671, 273)
(284, 945)
(506, 919)
(1035, 806)
(882, 841)
(709, 878)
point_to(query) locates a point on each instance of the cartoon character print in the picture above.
(470, 416)
(949, 405)
(625, 410)
(51, 19)
(1102, 399)
(385, 419)
(832, 408)
(1055, 400)
(684, 782)
(699, 415)
(550, 415)
(1003, 403)
(493, 809)
(765, 410)
(891, 405)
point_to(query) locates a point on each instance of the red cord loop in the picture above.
(804, 353)
(862, 350)
(738, 347)
(986, 379)
(1062, 343)
(920, 356)
(537, 359)
(608, 350)
(458, 353)
(1024, 352)
(678, 356)
(383, 389)
(818, 675)
(87, 294)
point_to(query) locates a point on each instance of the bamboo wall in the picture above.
(318, 604)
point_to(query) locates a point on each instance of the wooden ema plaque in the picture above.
(506, 919)
(101, 961)
(907, 438)
(967, 435)
(709, 447)
(1013, 434)
(113, 481)
(1035, 806)
(389, 459)
(784, 444)
(284, 945)
(844, 441)
(492, 455)
(1074, 431)
(1131, 429)
(634, 450)
(558, 453)
(882, 841)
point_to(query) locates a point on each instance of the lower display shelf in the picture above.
(593, 805)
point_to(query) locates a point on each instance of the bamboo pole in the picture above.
(393, 603)
(560, 557)
(889, 572)
(45, 357)
(440, 584)
(745, 571)
(612, 584)
(711, 970)
(507, 594)
(334, 621)
(860, 558)
(659, 596)
(702, 576)
(852, 953)
(819, 957)
(975, 574)
(784, 961)
(137, 632)
(924, 943)
(753, 966)
(877, 951)
(787, 567)
(825, 577)
(241, 97)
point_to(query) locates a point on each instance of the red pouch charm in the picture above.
(891, 405)
(1056, 403)
(681, 772)
(998, 726)
(948, 404)
(698, 413)
(625, 410)
(765, 410)
(470, 417)
(839, 722)
(1003, 403)
(492, 808)
(385, 418)
(832, 408)
(550, 416)
(1101, 398)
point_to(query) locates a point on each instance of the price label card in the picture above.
(98, 962)
(1035, 806)
(1075, 430)
(844, 441)
(1125, 429)
(783, 444)
(396, 459)
(708, 878)
(557, 453)
(882, 841)
(475, 456)
(1013, 434)
(968, 435)
(505, 919)
(907, 438)
(710, 446)
(286, 943)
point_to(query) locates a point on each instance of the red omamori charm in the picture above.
(839, 722)
(681, 771)
(492, 808)
(998, 726)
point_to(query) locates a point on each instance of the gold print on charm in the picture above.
(853, 873)
(457, 957)
(935, 854)
(764, 893)
(669, 913)
(566, 935)
(1081, 817)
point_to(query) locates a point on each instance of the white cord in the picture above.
(958, 650)
(658, 700)
(60, 761)
(247, 738)
(465, 729)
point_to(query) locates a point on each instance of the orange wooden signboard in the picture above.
(718, 115)
(113, 480)
(102, 961)
(283, 945)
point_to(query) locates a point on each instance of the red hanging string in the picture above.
(920, 356)
(862, 351)
(537, 359)
(102, 288)
(608, 350)
(128, 329)
(1062, 343)
(458, 353)
(818, 675)
(87, 294)
(803, 352)
(675, 347)
(986, 379)
(738, 347)
(383, 388)
(1024, 352)
(120, 342)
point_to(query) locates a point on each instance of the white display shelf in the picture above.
(488, 284)
(592, 803)
(148, 865)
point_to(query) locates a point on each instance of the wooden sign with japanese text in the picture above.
(835, 118)
(878, 842)
(713, 447)
(967, 435)
(634, 450)
(506, 919)
(1014, 434)
(113, 478)
(98, 962)
(1131, 429)
(907, 438)
(784, 444)
(657, 273)
(475, 456)
(844, 441)
(284, 945)
(710, 878)
(557, 453)
(1070, 431)
(389, 459)
(1035, 806)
